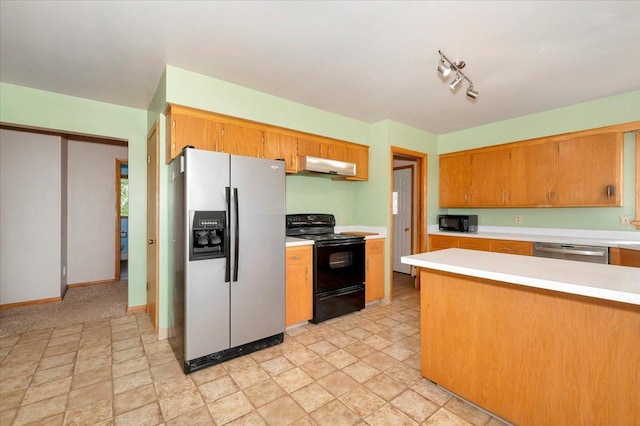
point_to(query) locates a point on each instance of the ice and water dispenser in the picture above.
(208, 237)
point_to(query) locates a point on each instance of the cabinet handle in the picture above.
(306, 273)
(295, 257)
(465, 197)
(611, 190)
(549, 195)
(502, 197)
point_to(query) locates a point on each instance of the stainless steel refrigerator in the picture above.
(228, 288)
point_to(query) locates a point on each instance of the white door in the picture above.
(402, 232)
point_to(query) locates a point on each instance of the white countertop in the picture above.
(293, 242)
(628, 240)
(609, 282)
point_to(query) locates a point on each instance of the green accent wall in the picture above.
(587, 115)
(32, 108)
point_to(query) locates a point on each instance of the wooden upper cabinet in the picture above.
(336, 151)
(455, 181)
(360, 157)
(590, 170)
(308, 146)
(183, 130)
(490, 178)
(240, 140)
(534, 175)
(217, 132)
(323, 148)
(280, 146)
(574, 169)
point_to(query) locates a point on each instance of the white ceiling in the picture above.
(366, 60)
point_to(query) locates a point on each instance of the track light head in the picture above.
(443, 68)
(473, 94)
(456, 82)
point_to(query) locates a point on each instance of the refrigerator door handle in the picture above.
(227, 238)
(237, 235)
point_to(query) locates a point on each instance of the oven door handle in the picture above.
(341, 292)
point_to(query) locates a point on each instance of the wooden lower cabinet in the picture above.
(529, 355)
(441, 242)
(374, 272)
(624, 257)
(481, 244)
(299, 284)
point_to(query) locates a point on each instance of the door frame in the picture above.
(421, 160)
(119, 163)
(152, 221)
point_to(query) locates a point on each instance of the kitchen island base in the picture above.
(531, 356)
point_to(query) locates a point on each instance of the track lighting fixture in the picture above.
(446, 66)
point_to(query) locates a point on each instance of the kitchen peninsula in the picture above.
(533, 340)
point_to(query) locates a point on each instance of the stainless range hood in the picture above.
(322, 166)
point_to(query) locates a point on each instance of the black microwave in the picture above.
(458, 223)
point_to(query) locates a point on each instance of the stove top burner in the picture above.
(318, 227)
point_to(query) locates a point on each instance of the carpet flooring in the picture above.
(80, 304)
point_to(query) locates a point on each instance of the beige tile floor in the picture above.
(361, 368)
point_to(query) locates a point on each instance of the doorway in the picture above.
(122, 220)
(153, 172)
(409, 209)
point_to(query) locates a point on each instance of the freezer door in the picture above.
(206, 294)
(257, 291)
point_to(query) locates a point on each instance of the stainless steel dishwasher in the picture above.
(582, 253)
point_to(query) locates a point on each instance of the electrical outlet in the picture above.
(625, 220)
(517, 218)
(343, 218)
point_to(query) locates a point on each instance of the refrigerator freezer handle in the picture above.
(237, 235)
(227, 238)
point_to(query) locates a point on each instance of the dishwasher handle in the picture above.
(570, 251)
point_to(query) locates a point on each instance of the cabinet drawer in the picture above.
(440, 242)
(512, 247)
(298, 255)
(475, 244)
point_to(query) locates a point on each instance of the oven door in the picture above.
(338, 265)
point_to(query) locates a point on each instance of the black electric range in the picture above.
(338, 265)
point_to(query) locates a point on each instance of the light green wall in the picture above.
(27, 107)
(373, 198)
(599, 113)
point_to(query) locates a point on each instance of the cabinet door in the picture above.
(512, 247)
(334, 151)
(360, 157)
(374, 273)
(534, 175)
(185, 130)
(299, 285)
(240, 140)
(441, 242)
(280, 146)
(470, 243)
(455, 180)
(490, 178)
(308, 146)
(590, 171)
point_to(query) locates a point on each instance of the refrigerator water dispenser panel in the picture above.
(208, 239)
